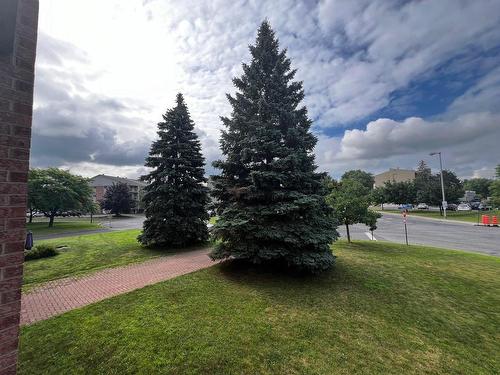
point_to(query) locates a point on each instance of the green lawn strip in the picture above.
(88, 253)
(469, 216)
(41, 228)
(384, 309)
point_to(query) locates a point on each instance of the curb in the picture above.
(431, 219)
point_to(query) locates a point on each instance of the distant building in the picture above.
(101, 182)
(470, 196)
(394, 175)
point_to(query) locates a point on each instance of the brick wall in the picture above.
(16, 102)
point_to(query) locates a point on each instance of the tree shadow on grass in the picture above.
(292, 290)
(173, 250)
(298, 289)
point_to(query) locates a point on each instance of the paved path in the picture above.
(58, 296)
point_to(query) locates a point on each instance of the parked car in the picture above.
(406, 206)
(475, 205)
(422, 206)
(452, 207)
(464, 207)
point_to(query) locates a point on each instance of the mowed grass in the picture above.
(469, 216)
(88, 253)
(41, 228)
(384, 309)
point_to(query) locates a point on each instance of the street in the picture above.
(422, 231)
(108, 224)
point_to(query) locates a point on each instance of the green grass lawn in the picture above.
(84, 254)
(41, 227)
(470, 216)
(384, 309)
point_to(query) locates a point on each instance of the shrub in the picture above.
(40, 251)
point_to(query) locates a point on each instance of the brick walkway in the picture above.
(58, 296)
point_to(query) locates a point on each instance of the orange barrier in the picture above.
(494, 221)
(486, 220)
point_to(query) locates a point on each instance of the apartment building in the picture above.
(101, 182)
(394, 175)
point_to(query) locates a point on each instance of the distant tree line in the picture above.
(495, 189)
(425, 188)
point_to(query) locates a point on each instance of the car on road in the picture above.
(406, 206)
(464, 207)
(422, 206)
(484, 207)
(451, 207)
(35, 214)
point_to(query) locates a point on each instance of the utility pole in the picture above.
(444, 203)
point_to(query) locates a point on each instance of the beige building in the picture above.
(394, 175)
(100, 182)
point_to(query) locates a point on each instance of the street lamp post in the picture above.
(444, 204)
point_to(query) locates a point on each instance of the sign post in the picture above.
(406, 230)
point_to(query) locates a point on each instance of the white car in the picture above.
(464, 207)
(422, 206)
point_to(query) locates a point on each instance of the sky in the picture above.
(386, 82)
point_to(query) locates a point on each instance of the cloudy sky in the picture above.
(386, 81)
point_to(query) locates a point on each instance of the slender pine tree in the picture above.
(175, 198)
(270, 201)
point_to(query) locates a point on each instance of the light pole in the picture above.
(444, 204)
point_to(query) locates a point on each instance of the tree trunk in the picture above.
(348, 234)
(51, 220)
(31, 215)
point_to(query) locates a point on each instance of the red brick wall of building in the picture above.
(16, 102)
(99, 193)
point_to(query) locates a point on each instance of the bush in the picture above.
(40, 251)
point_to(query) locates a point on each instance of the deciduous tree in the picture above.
(480, 185)
(366, 179)
(402, 192)
(495, 189)
(350, 205)
(54, 190)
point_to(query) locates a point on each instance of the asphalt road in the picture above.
(112, 224)
(422, 231)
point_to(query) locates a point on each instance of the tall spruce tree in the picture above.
(175, 198)
(271, 202)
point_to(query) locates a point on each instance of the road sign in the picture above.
(445, 205)
(406, 230)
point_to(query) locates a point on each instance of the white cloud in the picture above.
(468, 142)
(351, 55)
